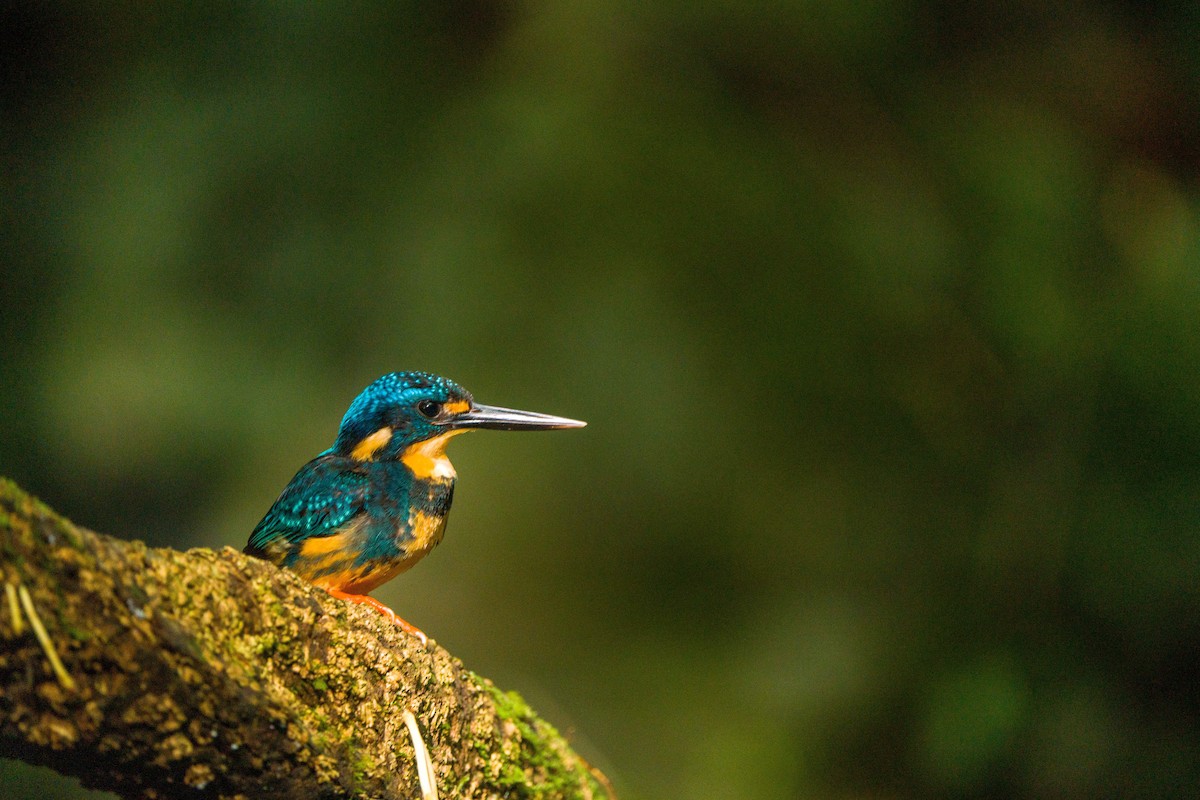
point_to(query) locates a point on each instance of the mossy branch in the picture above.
(211, 674)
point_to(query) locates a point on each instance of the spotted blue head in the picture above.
(410, 416)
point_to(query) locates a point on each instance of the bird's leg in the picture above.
(367, 600)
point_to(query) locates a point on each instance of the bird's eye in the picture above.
(429, 408)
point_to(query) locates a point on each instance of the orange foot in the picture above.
(382, 609)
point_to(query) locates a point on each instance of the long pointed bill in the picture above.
(510, 419)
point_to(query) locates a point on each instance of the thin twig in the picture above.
(424, 762)
(39, 630)
(14, 609)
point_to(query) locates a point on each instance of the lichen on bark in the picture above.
(210, 674)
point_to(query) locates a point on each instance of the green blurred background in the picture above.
(884, 316)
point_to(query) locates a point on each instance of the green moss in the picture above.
(319, 720)
(74, 631)
(512, 777)
(555, 777)
(319, 684)
(266, 645)
(363, 765)
(510, 706)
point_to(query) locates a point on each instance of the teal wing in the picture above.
(326, 494)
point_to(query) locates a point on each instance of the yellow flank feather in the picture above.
(426, 531)
(316, 546)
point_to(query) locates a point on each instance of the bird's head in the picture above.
(410, 416)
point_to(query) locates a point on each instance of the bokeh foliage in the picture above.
(883, 314)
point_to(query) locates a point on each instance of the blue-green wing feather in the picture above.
(326, 494)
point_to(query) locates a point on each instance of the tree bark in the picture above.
(207, 673)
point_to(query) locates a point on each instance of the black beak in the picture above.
(509, 419)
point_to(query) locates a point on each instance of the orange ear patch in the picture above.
(369, 446)
(457, 406)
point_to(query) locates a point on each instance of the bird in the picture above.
(376, 502)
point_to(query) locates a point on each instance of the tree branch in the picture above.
(211, 674)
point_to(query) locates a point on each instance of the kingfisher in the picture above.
(375, 503)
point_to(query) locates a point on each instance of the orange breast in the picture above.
(330, 565)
